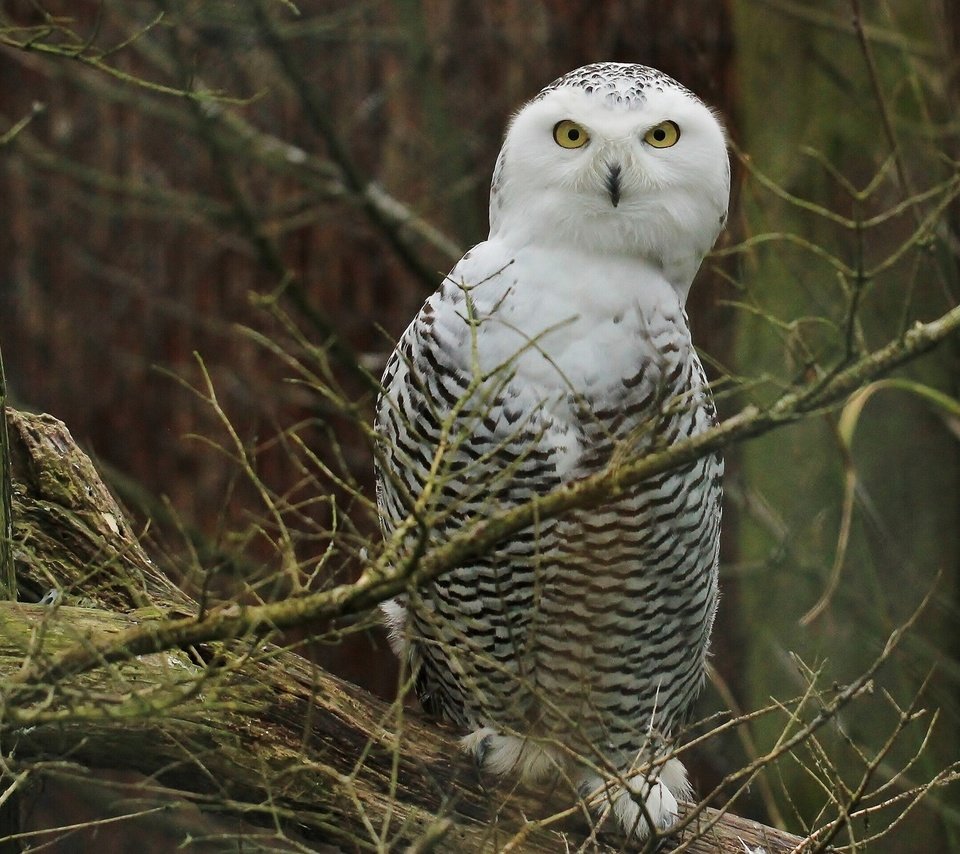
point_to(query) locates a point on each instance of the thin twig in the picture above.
(394, 572)
(8, 575)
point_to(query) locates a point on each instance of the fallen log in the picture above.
(243, 727)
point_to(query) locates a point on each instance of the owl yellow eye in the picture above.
(568, 134)
(663, 135)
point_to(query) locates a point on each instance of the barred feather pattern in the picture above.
(591, 628)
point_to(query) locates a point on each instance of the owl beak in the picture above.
(613, 182)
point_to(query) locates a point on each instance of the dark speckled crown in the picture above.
(616, 83)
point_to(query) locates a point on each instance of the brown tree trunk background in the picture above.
(102, 288)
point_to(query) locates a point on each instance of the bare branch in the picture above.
(392, 572)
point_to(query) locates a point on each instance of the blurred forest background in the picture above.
(334, 167)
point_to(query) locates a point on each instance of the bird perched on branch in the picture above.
(556, 349)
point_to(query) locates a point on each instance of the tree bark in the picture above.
(247, 726)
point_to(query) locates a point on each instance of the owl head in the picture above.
(615, 158)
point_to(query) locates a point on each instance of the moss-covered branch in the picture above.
(391, 574)
(244, 727)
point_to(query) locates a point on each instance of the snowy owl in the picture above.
(555, 349)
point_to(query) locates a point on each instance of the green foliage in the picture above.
(846, 195)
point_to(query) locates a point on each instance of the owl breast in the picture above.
(508, 384)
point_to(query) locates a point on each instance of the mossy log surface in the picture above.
(245, 726)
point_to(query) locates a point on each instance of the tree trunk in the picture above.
(245, 727)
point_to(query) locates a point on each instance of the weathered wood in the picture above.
(69, 533)
(247, 725)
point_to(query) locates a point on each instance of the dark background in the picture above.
(142, 232)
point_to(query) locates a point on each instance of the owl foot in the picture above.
(509, 755)
(646, 800)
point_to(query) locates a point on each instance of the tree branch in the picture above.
(391, 574)
(248, 727)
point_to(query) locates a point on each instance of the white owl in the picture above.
(555, 348)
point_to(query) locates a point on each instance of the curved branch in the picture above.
(245, 728)
(391, 573)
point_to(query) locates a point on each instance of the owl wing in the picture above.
(456, 446)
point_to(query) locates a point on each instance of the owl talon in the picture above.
(482, 749)
(478, 745)
(503, 755)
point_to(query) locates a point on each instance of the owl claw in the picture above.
(502, 755)
(481, 750)
(478, 744)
